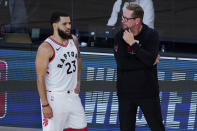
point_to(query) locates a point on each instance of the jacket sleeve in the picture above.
(147, 53)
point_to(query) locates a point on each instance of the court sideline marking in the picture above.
(162, 57)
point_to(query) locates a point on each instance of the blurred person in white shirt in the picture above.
(147, 6)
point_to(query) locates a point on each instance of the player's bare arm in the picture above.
(77, 89)
(44, 53)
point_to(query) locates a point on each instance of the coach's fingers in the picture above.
(157, 60)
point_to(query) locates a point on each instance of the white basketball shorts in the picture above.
(68, 111)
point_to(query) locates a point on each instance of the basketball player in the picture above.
(58, 67)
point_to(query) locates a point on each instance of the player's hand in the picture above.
(47, 112)
(77, 89)
(157, 60)
(128, 37)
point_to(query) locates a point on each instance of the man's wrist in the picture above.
(45, 105)
(133, 43)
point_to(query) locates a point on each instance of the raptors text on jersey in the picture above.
(62, 69)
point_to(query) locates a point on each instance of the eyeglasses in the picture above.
(127, 19)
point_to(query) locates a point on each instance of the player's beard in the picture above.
(63, 35)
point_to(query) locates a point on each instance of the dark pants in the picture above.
(150, 108)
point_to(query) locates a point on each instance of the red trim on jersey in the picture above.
(70, 129)
(63, 45)
(74, 43)
(52, 49)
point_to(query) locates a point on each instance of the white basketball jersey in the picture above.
(62, 68)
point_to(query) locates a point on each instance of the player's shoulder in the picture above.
(45, 50)
(74, 38)
(45, 47)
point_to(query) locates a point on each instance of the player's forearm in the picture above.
(42, 90)
(79, 69)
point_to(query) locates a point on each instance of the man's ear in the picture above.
(54, 25)
(138, 21)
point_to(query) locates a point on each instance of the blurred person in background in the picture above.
(147, 6)
(17, 16)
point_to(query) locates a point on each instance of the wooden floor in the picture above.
(3, 128)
